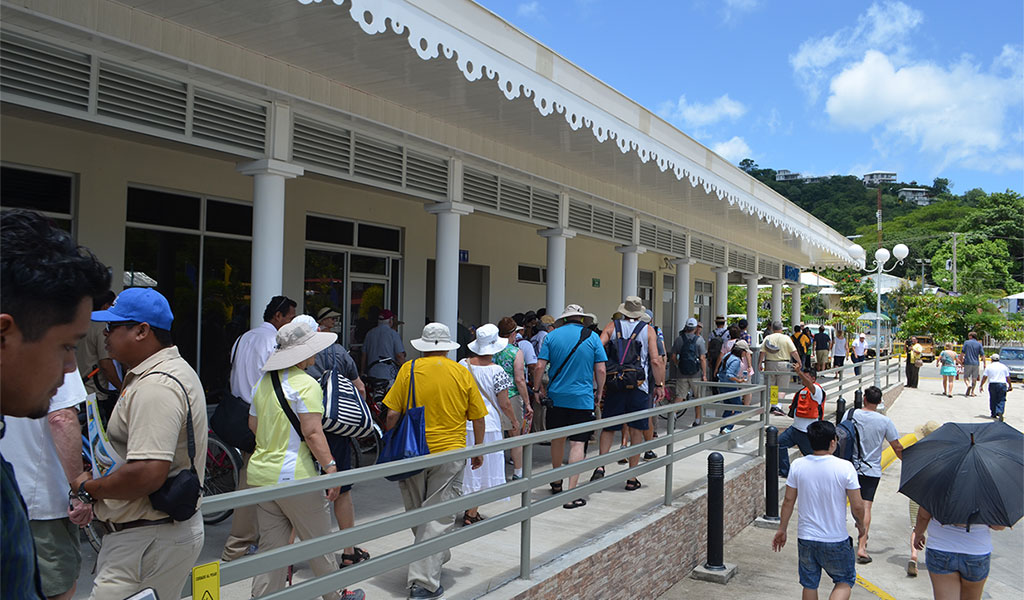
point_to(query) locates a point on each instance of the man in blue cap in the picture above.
(148, 432)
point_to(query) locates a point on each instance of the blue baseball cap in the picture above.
(142, 305)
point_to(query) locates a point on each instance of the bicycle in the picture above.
(223, 466)
(367, 449)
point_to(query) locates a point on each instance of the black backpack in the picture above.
(625, 370)
(689, 361)
(714, 349)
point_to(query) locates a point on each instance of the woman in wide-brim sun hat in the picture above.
(493, 383)
(281, 455)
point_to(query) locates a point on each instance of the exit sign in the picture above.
(595, 282)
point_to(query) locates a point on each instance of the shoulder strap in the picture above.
(294, 420)
(410, 400)
(584, 334)
(190, 433)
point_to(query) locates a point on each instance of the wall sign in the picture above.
(791, 273)
(595, 282)
(463, 256)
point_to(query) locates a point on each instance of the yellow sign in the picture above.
(206, 581)
(774, 395)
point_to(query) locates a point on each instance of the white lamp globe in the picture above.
(856, 251)
(881, 256)
(900, 251)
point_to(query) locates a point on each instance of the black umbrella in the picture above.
(966, 473)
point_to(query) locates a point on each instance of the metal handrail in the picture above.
(261, 562)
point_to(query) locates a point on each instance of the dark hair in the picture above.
(971, 335)
(873, 395)
(44, 274)
(742, 323)
(796, 328)
(821, 329)
(278, 304)
(738, 352)
(541, 312)
(734, 333)
(163, 336)
(519, 318)
(821, 434)
(107, 297)
(811, 371)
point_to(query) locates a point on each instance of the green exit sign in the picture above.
(595, 282)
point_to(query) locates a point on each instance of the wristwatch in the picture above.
(82, 495)
(659, 385)
(333, 463)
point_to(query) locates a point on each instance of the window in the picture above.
(379, 238)
(204, 271)
(645, 288)
(46, 192)
(533, 274)
(329, 231)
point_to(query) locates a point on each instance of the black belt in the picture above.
(115, 527)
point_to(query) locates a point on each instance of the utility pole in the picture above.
(954, 261)
(878, 215)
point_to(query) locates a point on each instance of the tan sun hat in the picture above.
(296, 342)
(572, 310)
(632, 307)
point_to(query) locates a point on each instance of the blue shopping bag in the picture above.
(408, 439)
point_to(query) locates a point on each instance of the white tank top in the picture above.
(627, 326)
(953, 538)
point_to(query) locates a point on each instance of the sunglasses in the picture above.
(112, 325)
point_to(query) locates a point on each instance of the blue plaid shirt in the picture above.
(19, 572)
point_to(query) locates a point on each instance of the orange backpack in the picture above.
(805, 407)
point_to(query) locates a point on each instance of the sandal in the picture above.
(598, 474)
(556, 487)
(469, 520)
(632, 484)
(574, 504)
(358, 555)
(863, 560)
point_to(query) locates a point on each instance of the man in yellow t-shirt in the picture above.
(448, 394)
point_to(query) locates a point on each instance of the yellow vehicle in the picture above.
(928, 346)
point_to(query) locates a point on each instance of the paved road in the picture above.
(764, 574)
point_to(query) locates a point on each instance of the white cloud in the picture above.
(956, 113)
(732, 9)
(702, 115)
(883, 27)
(529, 10)
(733, 150)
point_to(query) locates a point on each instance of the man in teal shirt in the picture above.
(577, 363)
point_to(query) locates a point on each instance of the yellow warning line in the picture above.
(874, 589)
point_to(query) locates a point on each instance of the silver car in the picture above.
(1013, 358)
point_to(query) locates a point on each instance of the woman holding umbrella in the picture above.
(958, 556)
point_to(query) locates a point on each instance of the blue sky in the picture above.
(926, 89)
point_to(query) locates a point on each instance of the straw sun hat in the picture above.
(296, 342)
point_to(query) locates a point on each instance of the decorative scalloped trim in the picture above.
(431, 38)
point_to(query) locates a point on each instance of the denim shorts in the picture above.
(972, 567)
(835, 557)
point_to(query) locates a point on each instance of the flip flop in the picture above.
(863, 560)
(574, 504)
(598, 474)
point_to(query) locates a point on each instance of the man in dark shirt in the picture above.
(822, 348)
(47, 285)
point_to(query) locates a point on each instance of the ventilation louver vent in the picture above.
(321, 144)
(648, 235)
(679, 243)
(378, 160)
(141, 98)
(707, 252)
(579, 216)
(228, 121)
(604, 222)
(742, 261)
(514, 198)
(623, 228)
(426, 174)
(479, 188)
(663, 239)
(44, 72)
(545, 207)
(768, 268)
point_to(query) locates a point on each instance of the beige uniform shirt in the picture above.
(148, 423)
(91, 351)
(785, 346)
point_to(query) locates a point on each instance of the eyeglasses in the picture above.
(112, 325)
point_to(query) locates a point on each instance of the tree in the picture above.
(950, 318)
(983, 265)
(939, 186)
(748, 164)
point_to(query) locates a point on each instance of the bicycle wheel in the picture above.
(679, 414)
(365, 450)
(223, 466)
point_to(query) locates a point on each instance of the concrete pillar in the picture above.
(752, 324)
(794, 318)
(721, 291)
(268, 209)
(555, 292)
(776, 300)
(684, 293)
(446, 261)
(630, 269)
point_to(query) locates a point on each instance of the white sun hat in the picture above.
(487, 341)
(435, 337)
(296, 342)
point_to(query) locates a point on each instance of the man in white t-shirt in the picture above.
(824, 483)
(874, 429)
(47, 456)
(860, 352)
(998, 377)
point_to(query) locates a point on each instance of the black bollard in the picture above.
(716, 513)
(771, 474)
(840, 409)
(858, 399)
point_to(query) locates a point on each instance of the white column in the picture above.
(721, 291)
(752, 325)
(684, 294)
(555, 292)
(776, 300)
(795, 316)
(268, 214)
(446, 261)
(630, 268)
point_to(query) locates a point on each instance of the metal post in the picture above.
(858, 399)
(888, 369)
(771, 474)
(765, 401)
(716, 513)
(524, 525)
(840, 409)
(670, 434)
(878, 316)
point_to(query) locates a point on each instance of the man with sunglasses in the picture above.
(249, 354)
(149, 431)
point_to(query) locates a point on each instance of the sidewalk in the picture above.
(765, 574)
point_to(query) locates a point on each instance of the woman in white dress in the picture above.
(493, 382)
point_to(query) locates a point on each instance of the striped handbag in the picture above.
(345, 411)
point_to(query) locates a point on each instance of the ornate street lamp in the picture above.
(900, 252)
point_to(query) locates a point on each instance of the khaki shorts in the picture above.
(821, 356)
(517, 408)
(57, 549)
(970, 372)
(685, 385)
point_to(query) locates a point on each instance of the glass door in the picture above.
(366, 299)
